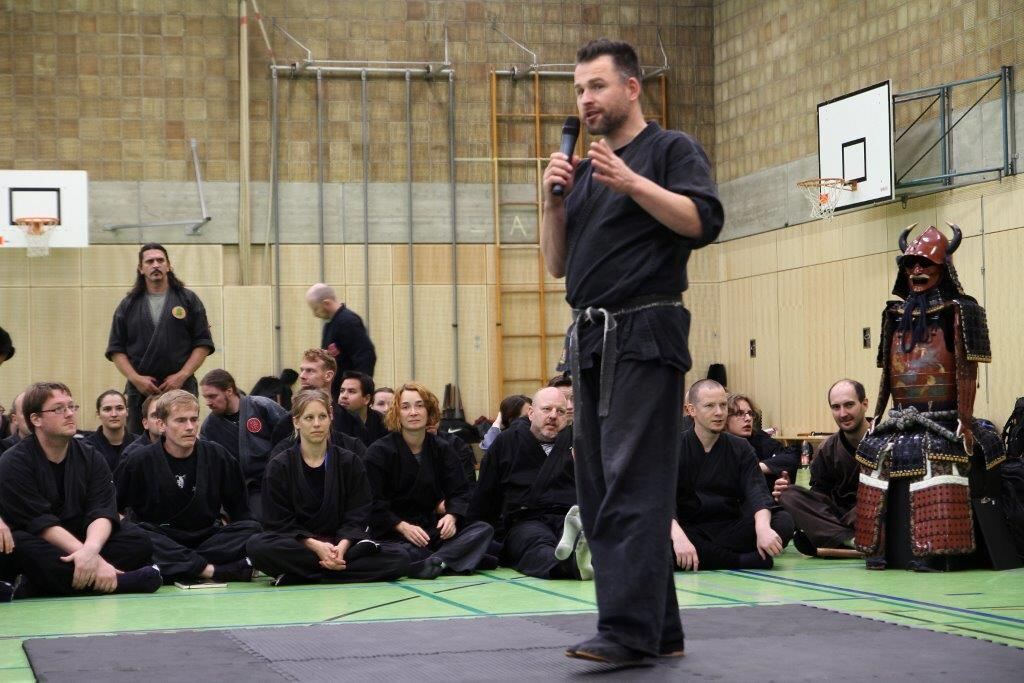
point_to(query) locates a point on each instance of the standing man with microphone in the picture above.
(621, 233)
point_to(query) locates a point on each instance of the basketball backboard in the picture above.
(63, 195)
(855, 144)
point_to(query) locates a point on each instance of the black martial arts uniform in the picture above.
(408, 488)
(353, 425)
(158, 350)
(141, 441)
(466, 456)
(776, 456)
(828, 511)
(111, 453)
(9, 442)
(525, 494)
(718, 494)
(248, 436)
(35, 495)
(346, 339)
(626, 271)
(329, 505)
(180, 508)
(286, 439)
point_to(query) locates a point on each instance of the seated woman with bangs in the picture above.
(316, 507)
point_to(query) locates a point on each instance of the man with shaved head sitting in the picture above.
(527, 491)
(344, 336)
(724, 513)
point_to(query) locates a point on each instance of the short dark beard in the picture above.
(608, 124)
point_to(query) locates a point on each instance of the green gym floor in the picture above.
(981, 604)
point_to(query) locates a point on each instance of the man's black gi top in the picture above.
(146, 486)
(353, 425)
(109, 451)
(161, 350)
(345, 338)
(31, 502)
(519, 482)
(723, 485)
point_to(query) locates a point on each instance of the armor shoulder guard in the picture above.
(890, 313)
(974, 330)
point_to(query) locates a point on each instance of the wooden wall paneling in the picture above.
(1004, 210)
(61, 268)
(98, 374)
(198, 265)
(519, 313)
(434, 336)
(114, 265)
(969, 263)
(553, 357)
(300, 265)
(823, 242)
(248, 334)
(299, 329)
(557, 312)
(262, 270)
(789, 247)
(433, 263)
(213, 302)
(865, 289)
(754, 255)
(15, 303)
(382, 328)
(735, 335)
(380, 264)
(863, 233)
(518, 266)
(14, 268)
(811, 332)
(703, 301)
(705, 264)
(55, 337)
(1004, 253)
(401, 363)
(472, 262)
(965, 213)
(474, 352)
(762, 308)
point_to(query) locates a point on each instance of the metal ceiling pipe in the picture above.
(409, 220)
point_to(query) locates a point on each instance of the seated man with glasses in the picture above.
(57, 498)
(774, 458)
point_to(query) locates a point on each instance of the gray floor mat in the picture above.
(766, 643)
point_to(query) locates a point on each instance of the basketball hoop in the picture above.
(823, 194)
(37, 233)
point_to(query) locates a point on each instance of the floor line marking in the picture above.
(438, 598)
(538, 589)
(876, 596)
(367, 609)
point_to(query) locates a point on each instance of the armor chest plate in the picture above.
(926, 376)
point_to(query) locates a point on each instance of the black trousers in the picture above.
(719, 544)
(462, 552)
(184, 554)
(9, 569)
(626, 466)
(136, 399)
(127, 548)
(275, 554)
(530, 549)
(822, 521)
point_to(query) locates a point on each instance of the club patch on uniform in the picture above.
(333, 350)
(254, 425)
(178, 312)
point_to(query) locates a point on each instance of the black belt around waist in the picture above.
(609, 342)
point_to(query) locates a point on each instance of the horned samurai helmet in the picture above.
(933, 249)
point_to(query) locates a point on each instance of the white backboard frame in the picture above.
(855, 144)
(59, 194)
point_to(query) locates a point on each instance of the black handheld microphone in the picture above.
(570, 132)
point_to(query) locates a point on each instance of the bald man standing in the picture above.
(344, 337)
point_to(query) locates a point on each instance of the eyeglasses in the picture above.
(62, 410)
(745, 413)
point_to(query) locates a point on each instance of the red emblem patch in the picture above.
(254, 425)
(333, 350)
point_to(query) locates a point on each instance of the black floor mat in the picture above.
(768, 643)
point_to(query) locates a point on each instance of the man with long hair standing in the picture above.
(159, 335)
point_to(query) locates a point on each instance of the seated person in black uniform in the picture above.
(527, 488)
(57, 501)
(316, 509)
(510, 408)
(243, 425)
(724, 516)
(411, 473)
(382, 399)
(180, 490)
(774, 458)
(112, 436)
(825, 514)
(151, 431)
(19, 426)
(316, 371)
(356, 418)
